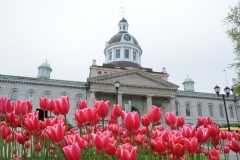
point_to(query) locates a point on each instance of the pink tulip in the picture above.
(21, 108)
(126, 152)
(101, 140)
(20, 137)
(132, 121)
(10, 117)
(202, 134)
(188, 131)
(56, 133)
(117, 110)
(63, 105)
(180, 121)
(72, 152)
(234, 146)
(5, 132)
(32, 122)
(82, 104)
(214, 155)
(81, 116)
(43, 102)
(177, 145)
(159, 144)
(155, 114)
(170, 119)
(102, 108)
(213, 130)
(145, 121)
(192, 145)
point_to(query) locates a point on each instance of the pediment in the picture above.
(134, 78)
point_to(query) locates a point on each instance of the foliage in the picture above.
(233, 32)
(232, 125)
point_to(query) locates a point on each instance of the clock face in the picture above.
(127, 37)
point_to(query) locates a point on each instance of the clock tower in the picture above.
(123, 50)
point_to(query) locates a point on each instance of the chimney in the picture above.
(94, 63)
(164, 70)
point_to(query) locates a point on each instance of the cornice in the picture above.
(42, 83)
(115, 75)
(204, 97)
(113, 44)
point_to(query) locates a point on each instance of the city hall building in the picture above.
(140, 87)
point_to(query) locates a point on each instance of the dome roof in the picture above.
(123, 20)
(188, 79)
(45, 64)
(117, 38)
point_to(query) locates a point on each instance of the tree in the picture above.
(233, 32)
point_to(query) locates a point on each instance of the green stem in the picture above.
(237, 156)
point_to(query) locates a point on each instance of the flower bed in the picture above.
(51, 139)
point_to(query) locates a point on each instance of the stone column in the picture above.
(120, 98)
(172, 104)
(149, 102)
(91, 99)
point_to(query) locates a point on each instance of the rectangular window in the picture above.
(221, 111)
(126, 53)
(210, 110)
(134, 56)
(187, 110)
(118, 53)
(199, 107)
(110, 55)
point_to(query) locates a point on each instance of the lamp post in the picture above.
(117, 85)
(227, 91)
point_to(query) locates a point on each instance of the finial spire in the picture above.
(123, 10)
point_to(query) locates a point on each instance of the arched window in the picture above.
(210, 110)
(124, 27)
(221, 111)
(47, 94)
(177, 109)
(231, 112)
(30, 95)
(13, 96)
(199, 108)
(99, 72)
(77, 99)
(187, 110)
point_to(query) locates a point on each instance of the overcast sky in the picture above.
(185, 36)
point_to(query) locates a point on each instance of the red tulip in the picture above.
(214, 155)
(92, 115)
(43, 102)
(63, 105)
(132, 121)
(126, 152)
(32, 122)
(145, 121)
(223, 135)
(111, 148)
(81, 116)
(56, 133)
(21, 108)
(180, 121)
(51, 105)
(200, 121)
(226, 149)
(159, 144)
(213, 130)
(155, 114)
(234, 146)
(192, 145)
(177, 145)
(72, 152)
(30, 106)
(81, 142)
(6, 106)
(188, 131)
(5, 132)
(10, 117)
(117, 110)
(101, 140)
(102, 108)
(170, 119)
(27, 144)
(207, 121)
(82, 104)
(20, 137)
(202, 135)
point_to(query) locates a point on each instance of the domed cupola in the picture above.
(123, 50)
(188, 84)
(44, 70)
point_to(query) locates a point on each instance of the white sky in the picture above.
(185, 36)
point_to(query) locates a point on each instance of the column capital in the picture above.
(120, 93)
(93, 91)
(172, 97)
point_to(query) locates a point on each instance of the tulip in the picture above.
(51, 105)
(5, 132)
(214, 155)
(32, 122)
(111, 148)
(81, 116)
(200, 121)
(10, 117)
(202, 135)
(30, 106)
(188, 131)
(92, 115)
(132, 121)
(102, 108)
(20, 137)
(226, 149)
(177, 145)
(170, 119)
(234, 146)
(192, 145)
(64, 106)
(207, 121)
(126, 152)
(56, 133)
(101, 140)
(72, 152)
(159, 144)
(43, 102)
(117, 110)
(155, 114)
(180, 121)
(21, 108)
(145, 121)
(223, 135)
(213, 130)
(82, 104)
(6, 106)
